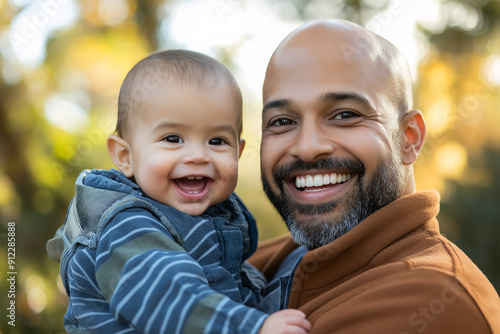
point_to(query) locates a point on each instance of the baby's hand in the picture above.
(286, 322)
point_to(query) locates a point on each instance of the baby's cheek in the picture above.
(232, 167)
(156, 175)
(232, 172)
(229, 175)
(158, 167)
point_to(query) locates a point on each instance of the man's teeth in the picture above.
(194, 177)
(319, 180)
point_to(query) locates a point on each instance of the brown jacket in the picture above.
(393, 273)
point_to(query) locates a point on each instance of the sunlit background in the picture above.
(62, 63)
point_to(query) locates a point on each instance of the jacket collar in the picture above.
(355, 249)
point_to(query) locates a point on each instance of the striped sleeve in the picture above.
(89, 310)
(154, 285)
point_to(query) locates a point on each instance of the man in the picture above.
(339, 137)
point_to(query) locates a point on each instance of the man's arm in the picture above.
(416, 301)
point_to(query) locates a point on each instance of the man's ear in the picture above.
(413, 130)
(242, 146)
(120, 152)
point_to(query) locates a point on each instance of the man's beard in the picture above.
(364, 198)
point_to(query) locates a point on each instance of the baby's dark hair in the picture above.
(182, 66)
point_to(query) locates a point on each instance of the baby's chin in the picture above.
(192, 209)
(195, 210)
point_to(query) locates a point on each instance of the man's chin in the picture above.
(317, 224)
(327, 209)
(318, 232)
(313, 215)
(313, 225)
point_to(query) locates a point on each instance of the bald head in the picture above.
(338, 136)
(343, 47)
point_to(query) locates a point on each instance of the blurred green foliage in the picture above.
(86, 61)
(471, 215)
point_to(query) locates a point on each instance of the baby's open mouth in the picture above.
(192, 184)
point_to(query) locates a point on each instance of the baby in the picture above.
(160, 246)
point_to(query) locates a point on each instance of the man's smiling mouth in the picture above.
(310, 182)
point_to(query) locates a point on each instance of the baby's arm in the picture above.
(151, 283)
(288, 321)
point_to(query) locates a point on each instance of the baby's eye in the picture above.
(174, 139)
(217, 141)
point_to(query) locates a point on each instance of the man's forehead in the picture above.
(321, 68)
(334, 48)
(332, 29)
(334, 40)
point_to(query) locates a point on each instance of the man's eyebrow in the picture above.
(276, 104)
(330, 97)
(333, 97)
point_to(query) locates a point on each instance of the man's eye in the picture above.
(282, 122)
(174, 139)
(345, 115)
(216, 141)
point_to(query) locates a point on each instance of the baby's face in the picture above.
(185, 147)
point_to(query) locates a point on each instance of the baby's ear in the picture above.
(242, 146)
(120, 152)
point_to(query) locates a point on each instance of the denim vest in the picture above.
(111, 192)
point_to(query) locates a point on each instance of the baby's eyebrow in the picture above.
(224, 128)
(167, 124)
(180, 126)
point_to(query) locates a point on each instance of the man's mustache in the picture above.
(340, 165)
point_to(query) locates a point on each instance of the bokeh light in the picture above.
(62, 63)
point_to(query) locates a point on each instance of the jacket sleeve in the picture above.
(154, 285)
(419, 301)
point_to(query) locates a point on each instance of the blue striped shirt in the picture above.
(139, 280)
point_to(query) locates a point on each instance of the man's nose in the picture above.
(196, 154)
(312, 142)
